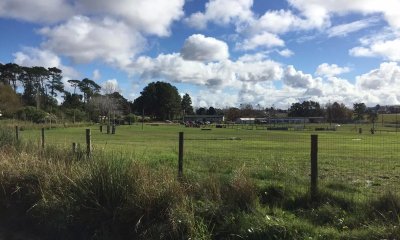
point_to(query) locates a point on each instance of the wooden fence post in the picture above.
(16, 133)
(42, 137)
(88, 143)
(314, 167)
(180, 160)
(73, 147)
(101, 128)
(108, 128)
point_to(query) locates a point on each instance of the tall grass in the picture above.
(57, 194)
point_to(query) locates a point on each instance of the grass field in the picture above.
(370, 163)
(238, 183)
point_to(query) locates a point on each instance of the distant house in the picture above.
(204, 118)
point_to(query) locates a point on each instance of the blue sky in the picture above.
(222, 52)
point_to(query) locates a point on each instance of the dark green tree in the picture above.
(10, 74)
(160, 100)
(186, 104)
(89, 88)
(359, 109)
(211, 111)
(338, 113)
(305, 109)
(201, 111)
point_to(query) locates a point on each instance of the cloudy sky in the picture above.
(221, 52)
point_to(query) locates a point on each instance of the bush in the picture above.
(32, 114)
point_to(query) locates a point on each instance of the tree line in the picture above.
(30, 93)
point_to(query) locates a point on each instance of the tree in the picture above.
(338, 113)
(9, 74)
(55, 83)
(160, 100)
(34, 79)
(211, 111)
(186, 104)
(201, 111)
(305, 109)
(88, 88)
(372, 116)
(232, 114)
(9, 100)
(359, 109)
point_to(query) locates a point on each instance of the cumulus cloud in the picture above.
(286, 53)
(42, 11)
(30, 57)
(320, 10)
(84, 40)
(154, 17)
(385, 77)
(297, 79)
(174, 68)
(261, 40)
(200, 48)
(110, 86)
(330, 70)
(387, 49)
(221, 12)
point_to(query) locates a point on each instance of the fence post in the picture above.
(16, 133)
(42, 137)
(101, 128)
(180, 160)
(73, 147)
(88, 143)
(108, 128)
(314, 167)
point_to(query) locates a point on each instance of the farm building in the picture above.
(204, 118)
(287, 120)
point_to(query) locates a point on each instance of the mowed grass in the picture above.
(366, 163)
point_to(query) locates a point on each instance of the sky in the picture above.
(222, 53)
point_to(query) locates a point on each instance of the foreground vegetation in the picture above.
(122, 196)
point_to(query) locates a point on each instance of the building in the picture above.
(204, 118)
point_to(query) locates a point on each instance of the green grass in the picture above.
(238, 184)
(367, 162)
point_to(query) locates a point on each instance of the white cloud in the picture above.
(387, 49)
(96, 74)
(154, 17)
(174, 68)
(85, 40)
(30, 57)
(265, 39)
(344, 29)
(318, 10)
(286, 53)
(330, 70)
(387, 76)
(200, 48)
(42, 11)
(222, 12)
(282, 21)
(297, 79)
(110, 86)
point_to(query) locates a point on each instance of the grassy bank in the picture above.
(113, 196)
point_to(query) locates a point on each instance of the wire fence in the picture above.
(348, 161)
